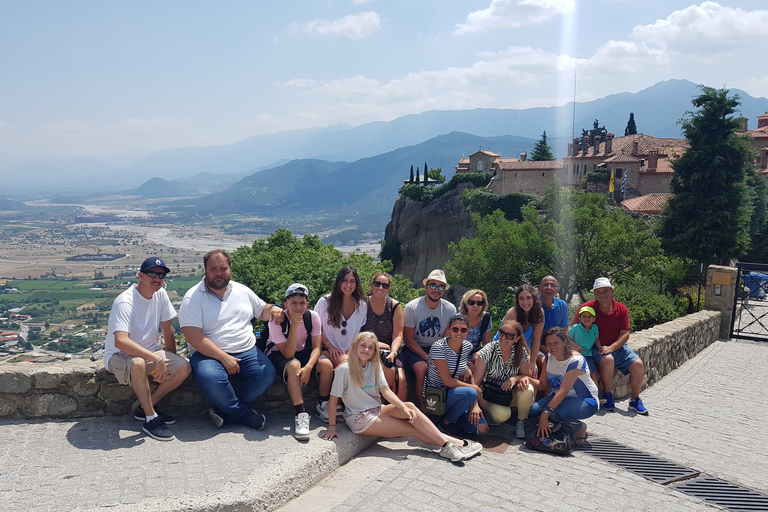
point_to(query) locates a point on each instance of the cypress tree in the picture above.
(417, 175)
(631, 128)
(410, 180)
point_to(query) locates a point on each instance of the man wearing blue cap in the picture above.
(131, 350)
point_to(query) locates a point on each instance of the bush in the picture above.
(598, 175)
(646, 307)
(485, 203)
(426, 194)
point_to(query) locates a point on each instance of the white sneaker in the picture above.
(218, 421)
(451, 451)
(470, 448)
(520, 429)
(301, 427)
(321, 411)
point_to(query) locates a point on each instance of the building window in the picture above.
(479, 166)
(542, 174)
(515, 175)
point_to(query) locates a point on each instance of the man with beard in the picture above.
(215, 317)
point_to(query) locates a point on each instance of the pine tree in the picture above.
(708, 218)
(417, 175)
(631, 128)
(410, 180)
(542, 151)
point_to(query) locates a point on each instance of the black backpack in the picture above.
(261, 341)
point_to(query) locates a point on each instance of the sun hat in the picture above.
(602, 282)
(437, 275)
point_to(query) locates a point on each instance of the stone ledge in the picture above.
(81, 388)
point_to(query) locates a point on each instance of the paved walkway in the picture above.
(703, 415)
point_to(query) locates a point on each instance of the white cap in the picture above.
(602, 282)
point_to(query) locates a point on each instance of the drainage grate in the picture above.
(643, 464)
(724, 494)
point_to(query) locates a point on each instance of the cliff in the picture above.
(418, 234)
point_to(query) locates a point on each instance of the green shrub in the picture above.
(426, 194)
(598, 175)
(484, 203)
(646, 306)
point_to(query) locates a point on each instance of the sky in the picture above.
(119, 80)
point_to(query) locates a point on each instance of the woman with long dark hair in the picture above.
(529, 313)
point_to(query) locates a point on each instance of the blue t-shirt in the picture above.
(557, 316)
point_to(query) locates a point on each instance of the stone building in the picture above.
(760, 142)
(513, 174)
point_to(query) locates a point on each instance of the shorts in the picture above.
(281, 362)
(622, 358)
(120, 365)
(409, 358)
(362, 421)
(591, 363)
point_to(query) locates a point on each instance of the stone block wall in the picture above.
(76, 389)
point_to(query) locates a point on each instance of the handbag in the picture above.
(561, 439)
(494, 394)
(435, 398)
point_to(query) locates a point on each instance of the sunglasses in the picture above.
(459, 329)
(379, 284)
(440, 287)
(343, 324)
(509, 335)
(471, 302)
(150, 273)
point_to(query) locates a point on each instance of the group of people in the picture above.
(361, 344)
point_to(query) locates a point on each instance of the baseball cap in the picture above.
(153, 262)
(587, 309)
(297, 288)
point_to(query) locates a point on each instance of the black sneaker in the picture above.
(255, 420)
(140, 415)
(156, 429)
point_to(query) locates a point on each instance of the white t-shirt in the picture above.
(226, 322)
(357, 399)
(139, 317)
(556, 370)
(428, 324)
(354, 324)
(276, 333)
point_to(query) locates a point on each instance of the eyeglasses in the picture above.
(343, 324)
(440, 287)
(150, 273)
(379, 284)
(471, 302)
(459, 329)
(509, 335)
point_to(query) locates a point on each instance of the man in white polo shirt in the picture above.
(215, 316)
(131, 349)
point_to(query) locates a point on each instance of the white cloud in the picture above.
(299, 83)
(513, 14)
(353, 26)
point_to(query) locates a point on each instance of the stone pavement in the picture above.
(703, 415)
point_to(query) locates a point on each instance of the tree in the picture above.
(542, 151)
(437, 175)
(631, 128)
(708, 218)
(417, 176)
(410, 180)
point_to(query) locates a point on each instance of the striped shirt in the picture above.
(441, 350)
(496, 371)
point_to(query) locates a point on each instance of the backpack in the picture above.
(261, 341)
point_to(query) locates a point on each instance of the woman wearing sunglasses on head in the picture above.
(447, 369)
(528, 311)
(474, 305)
(500, 371)
(385, 320)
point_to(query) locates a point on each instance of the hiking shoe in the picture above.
(140, 415)
(470, 448)
(256, 421)
(609, 405)
(301, 427)
(637, 406)
(156, 429)
(520, 429)
(321, 411)
(217, 420)
(451, 451)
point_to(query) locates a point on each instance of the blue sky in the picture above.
(119, 80)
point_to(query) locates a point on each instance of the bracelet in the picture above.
(399, 404)
(548, 410)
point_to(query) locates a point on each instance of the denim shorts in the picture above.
(409, 358)
(622, 358)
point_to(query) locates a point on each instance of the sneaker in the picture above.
(637, 406)
(140, 415)
(301, 427)
(609, 405)
(520, 429)
(156, 429)
(451, 451)
(218, 421)
(321, 411)
(256, 421)
(470, 448)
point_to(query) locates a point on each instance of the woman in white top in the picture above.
(360, 383)
(342, 313)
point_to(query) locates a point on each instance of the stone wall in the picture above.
(75, 389)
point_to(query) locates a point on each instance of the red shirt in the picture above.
(609, 325)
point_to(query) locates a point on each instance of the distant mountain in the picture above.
(155, 188)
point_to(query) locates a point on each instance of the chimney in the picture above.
(743, 122)
(523, 155)
(653, 159)
(585, 143)
(609, 143)
(762, 121)
(570, 148)
(635, 146)
(575, 147)
(764, 159)
(596, 147)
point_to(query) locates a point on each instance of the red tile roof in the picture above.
(649, 203)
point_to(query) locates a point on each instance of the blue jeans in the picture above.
(572, 408)
(457, 407)
(232, 395)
